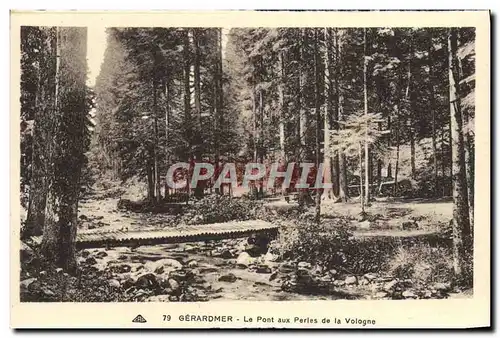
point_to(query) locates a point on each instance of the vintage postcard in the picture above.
(250, 169)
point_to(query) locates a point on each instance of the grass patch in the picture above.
(422, 263)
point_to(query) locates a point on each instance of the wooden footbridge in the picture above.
(181, 234)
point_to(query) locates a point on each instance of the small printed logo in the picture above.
(139, 319)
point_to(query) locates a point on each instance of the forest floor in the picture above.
(391, 217)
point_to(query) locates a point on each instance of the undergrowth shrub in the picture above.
(332, 246)
(219, 208)
(422, 264)
(304, 240)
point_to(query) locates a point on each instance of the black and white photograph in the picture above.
(213, 164)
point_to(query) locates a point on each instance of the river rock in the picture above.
(381, 294)
(162, 281)
(363, 281)
(326, 278)
(409, 294)
(244, 260)
(304, 265)
(48, 292)
(27, 282)
(361, 217)
(146, 281)
(173, 284)
(162, 265)
(338, 282)
(226, 254)
(158, 298)
(190, 248)
(273, 276)
(370, 277)
(230, 278)
(34, 286)
(442, 287)
(101, 254)
(192, 264)
(390, 286)
(427, 294)
(85, 253)
(90, 261)
(333, 272)
(270, 257)
(286, 268)
(201, 296)
(263, 269)
(114, 283)
(351, 280)
(208, 270)
(182, 275)
(257, 245)
(120, 268)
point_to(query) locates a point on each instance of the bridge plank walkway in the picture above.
(181, 234)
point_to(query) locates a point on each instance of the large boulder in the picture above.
(244, 260)
(147, 281)
(229, 278)
(257, 244)
(27, 252)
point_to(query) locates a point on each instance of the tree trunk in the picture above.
(396, 166)
(167, 131)
(198, 191)
(45, 114)
(412, 152)
(261, 141)
(156, 143)
(58, 243)
(151, 181)
(218, 104)
(462, 241)
(328, 193)
(389, 145)
(379, 171)
(303, 107)
(339, 115)
(188, 124)
(469, 151)
(443, 163)
(283, 106)
(367, 146)
(317, 97)
(253, 186)
(409, 100)
(432, 108)
(197, 85)
(187, 94)
(361, 195)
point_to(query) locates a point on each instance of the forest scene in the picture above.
(206, 164)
